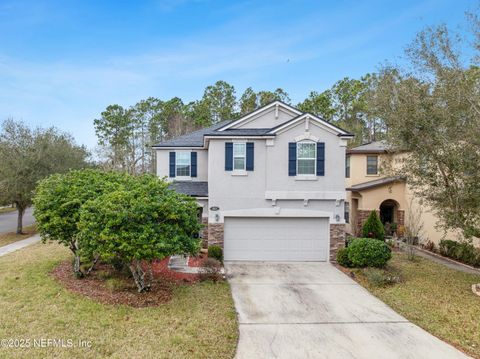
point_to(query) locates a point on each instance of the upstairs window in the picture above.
(239, 156)
(347, 167)
(306, 158)
(182, 164)
(346, 213)
(372, 165)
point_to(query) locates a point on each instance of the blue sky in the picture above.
(62, 63)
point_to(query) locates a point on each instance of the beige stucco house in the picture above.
(370, 187)
(270, 185)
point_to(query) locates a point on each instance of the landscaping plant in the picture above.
(368, 252)
(137, 222)
(462, 251)
(216, 252)
(342, 257)
(381, 277)
(210, 269)
(373, 227)
(57, 203)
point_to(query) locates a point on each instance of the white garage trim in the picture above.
(275, 212)
(276, 238)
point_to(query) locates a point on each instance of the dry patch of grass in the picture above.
(10, 237)
(436, 298)
(199, 322)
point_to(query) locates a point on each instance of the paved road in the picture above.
(12, 247)
(312, 310)
(8, 221)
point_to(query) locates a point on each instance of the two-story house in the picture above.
(270, 185)
(371, 186)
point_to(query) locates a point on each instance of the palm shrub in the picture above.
(373, 227)
(368, 252)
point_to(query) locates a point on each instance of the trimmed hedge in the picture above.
(368, 252)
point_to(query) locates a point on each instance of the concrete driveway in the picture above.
(312, 310)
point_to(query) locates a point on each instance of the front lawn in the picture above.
(436, 298)
(199, 321)
(10, 237)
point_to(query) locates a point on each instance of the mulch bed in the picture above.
(160, 270)
(94, 286)
(196, 261)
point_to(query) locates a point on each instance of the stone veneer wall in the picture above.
(204, 232)
(215, 234)
(362, 216)
(337, 240)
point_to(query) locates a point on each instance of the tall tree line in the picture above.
(125, 135)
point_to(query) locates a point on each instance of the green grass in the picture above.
(199, 322)
(436, 298)
(7, 238)
(7, 209)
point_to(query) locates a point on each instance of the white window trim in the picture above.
(189, 177)
(308, 176)
(243, 170)
(366, 167)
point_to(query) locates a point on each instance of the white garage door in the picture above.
(276, 239)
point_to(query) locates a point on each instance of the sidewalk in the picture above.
(9, 248)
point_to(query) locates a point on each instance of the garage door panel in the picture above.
(280, 239)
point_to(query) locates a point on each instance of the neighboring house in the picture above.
(270, 184)
(369, 187)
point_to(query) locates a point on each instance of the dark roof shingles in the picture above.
(375, 183)
(191, 188)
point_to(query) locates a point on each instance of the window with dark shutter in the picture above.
(228, 156)
(193, 164)
(172, 164)
(292, 158)
(250, 156)
(320, 159)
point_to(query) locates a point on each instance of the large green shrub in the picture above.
(216, 252)
(137, 222)
(373, 227)
(368, 252)
(342, 258)
(57, 203)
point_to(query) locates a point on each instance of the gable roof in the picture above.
(340, 132)
(375, 183)
(259, 110)
(370, 147)
(197, 138)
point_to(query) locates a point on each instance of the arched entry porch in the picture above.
(388, 211)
